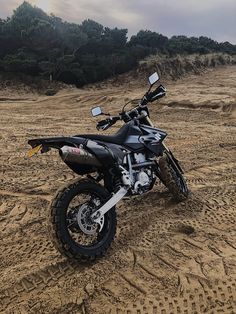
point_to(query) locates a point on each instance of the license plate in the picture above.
(34, 151)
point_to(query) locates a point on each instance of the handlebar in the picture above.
(136, 112)
(125, 116)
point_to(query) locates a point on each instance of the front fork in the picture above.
(149, 122)
(172, 160)
(171, 157)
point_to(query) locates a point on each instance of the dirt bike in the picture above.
(82, 214)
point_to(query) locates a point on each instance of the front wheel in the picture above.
(172, 178)
(73, 231)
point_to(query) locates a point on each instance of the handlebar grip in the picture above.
(159, 92)
(103, 124)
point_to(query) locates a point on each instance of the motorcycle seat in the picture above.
(118, 138)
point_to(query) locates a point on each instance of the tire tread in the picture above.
(169, 178)
(58, 204)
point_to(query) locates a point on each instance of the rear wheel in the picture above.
(173, 179)
(73, 231)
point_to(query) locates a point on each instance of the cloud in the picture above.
(107, 12)
(212, 18)
(6, 7)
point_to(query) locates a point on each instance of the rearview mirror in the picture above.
(153, 78)
(96, 111)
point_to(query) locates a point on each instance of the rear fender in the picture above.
(56, 142)
(102, 152)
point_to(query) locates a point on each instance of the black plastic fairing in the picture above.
(102, 153)
(132, 140)
(57, 142)
(152, 139)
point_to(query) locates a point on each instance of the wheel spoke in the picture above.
(81, 228)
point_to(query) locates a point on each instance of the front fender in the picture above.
(173, 161)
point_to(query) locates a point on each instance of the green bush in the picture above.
(35, 43)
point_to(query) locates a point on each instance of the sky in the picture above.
(212, 18)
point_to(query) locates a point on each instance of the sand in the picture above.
(167, 257)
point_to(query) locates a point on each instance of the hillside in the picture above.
(169, 68)
(178, 66)
(37, 44)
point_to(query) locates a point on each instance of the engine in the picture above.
(143, 179)
(141, 172)
(143, 175)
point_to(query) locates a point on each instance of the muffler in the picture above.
(78, 155)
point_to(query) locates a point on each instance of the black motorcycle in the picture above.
(83, 216)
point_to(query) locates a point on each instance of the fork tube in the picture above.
(149, 121)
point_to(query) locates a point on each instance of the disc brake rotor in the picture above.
(85, 223)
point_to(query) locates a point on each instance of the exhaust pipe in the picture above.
(78, 155)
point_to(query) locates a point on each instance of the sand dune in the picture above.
(167, 257)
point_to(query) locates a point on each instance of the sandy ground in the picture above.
(167, 257)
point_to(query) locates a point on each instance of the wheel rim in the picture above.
(80, 227)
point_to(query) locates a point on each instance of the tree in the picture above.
(93, 29)
(20, 62)
(116, 38)
(36, 43)
(149, 39)
(72, 37)
(24, 16)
